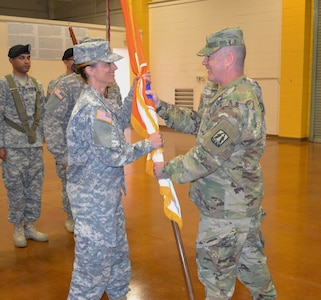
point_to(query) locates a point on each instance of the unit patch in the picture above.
(219, 138)
(104, 116)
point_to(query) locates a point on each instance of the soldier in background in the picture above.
(21, 137)
(68, 60)
(224, 170)
(58, 108)
(97, 154)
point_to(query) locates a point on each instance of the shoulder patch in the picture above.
(219, 138)
(59, 93)
(104, 116)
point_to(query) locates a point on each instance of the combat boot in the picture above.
(32, 233)
(69, 223)
(19, 236)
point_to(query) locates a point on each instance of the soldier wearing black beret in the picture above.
(21, 120)
(17, 50)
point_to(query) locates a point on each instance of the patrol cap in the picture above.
(94, 51)
(220, 39)
(17, 50)
(68, 53)
(89, 39)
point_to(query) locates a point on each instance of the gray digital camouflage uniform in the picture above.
(58, 108)
(57, 113)
(226, 185)
(97, 153)
(23, 170)
(52, 84)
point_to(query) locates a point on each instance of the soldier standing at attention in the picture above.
(224, 170)
(68, 60)
(21, 137)
(97, 154)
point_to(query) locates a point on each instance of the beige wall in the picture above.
(46, 70)
(178, 30)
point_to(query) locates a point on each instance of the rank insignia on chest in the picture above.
(59, 94)
(104, 116)
(219, 138)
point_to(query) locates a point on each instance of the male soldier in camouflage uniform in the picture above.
(21, 137)
(224, 170)
(68, 60)
(97, 154)
(209, 91)
(57, 113)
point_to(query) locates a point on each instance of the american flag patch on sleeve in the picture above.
(104, 116)
(59, 93)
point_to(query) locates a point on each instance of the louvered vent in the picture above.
(184, 98)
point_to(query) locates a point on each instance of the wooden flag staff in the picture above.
(181, 251)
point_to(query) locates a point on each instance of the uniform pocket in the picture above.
(103, 133)
(217, 243)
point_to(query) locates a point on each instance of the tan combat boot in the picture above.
(32, 233)
(19, 236)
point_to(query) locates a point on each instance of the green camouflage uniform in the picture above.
(226, 185)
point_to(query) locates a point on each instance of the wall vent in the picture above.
(184, 98)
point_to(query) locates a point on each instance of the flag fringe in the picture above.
(167, 195)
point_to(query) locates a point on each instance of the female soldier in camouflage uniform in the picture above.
(97, 153)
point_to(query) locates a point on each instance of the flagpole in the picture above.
(108, 20)
(181, 251)
(138, 64)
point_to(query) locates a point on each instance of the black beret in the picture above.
(68, 53)
(17, 50)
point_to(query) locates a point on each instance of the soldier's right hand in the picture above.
(156, 140)
(153, 97)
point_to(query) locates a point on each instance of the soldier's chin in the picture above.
(111, 82)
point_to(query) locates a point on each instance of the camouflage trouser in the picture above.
(233, 248)
(61, 172)
(23, 174)
(99, 267)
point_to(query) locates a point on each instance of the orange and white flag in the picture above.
(144, 118)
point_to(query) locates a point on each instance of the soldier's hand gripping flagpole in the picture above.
(144, 121)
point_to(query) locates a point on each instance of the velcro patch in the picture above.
(104, 116)
(219, 138)
(59, 93)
